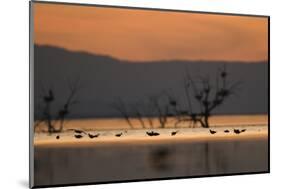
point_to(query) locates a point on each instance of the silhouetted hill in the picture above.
(105, 78)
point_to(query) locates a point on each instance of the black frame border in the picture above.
(31, 43)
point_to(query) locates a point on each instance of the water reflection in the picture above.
(60, 165)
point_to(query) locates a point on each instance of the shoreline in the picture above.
(100, 124)
(139, 137)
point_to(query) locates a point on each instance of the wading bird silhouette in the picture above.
(152, 133)
(212, 131)
(174, 133)
(236, 131)
(78, 136)
(118, 134)
(93, 136)
(50, 97)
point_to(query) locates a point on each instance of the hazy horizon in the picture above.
(146, 61)
(150, 35)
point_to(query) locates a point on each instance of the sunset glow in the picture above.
(145, 35)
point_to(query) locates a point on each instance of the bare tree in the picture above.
(208, 97)
(120, 106)
(139, 110)
(50, 119)
(200, 91)
(148, 113)
(175, 108)
(162, 110)
(70, 100)
(138, 114)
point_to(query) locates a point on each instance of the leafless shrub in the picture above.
(55, 122)
(122, 108)
(207, 96)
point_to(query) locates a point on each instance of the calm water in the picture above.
(115, 162)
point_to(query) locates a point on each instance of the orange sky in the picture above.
(144, 35)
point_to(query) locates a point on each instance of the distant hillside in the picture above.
(105, 78)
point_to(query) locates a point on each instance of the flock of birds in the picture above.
(236, 131)
(80, 133)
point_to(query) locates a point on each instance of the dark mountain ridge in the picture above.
(105, 79)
